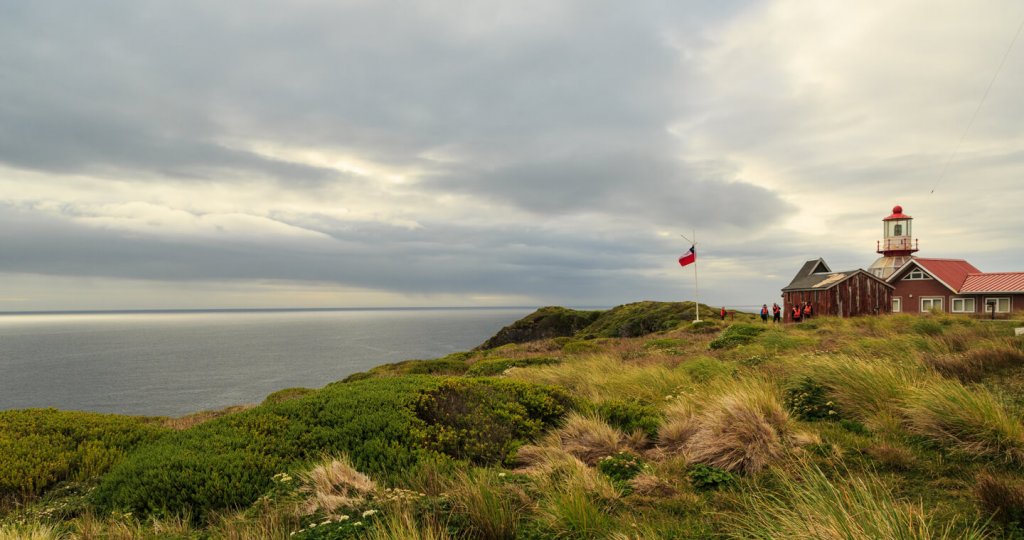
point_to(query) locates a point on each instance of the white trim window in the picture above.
(1002, 304)
(897, 304)
(929, 303)
(962, 305)
(916, 275)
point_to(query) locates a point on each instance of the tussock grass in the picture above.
(744, 429)
(975, 364)
(588, 437)
(679, 427)
(601, 377)
(573, 513)
(401, 524)
(810, 505)
(32, 531)
(866, 390)
(492, 510)
(554, 469)
(259, 523)
(970, 420)
(334, 483)
(1001, 497)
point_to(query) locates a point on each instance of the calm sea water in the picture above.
(178, 363)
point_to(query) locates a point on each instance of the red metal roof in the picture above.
(994, 282)
(951, 272)
(897, 213)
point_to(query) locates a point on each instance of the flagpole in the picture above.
(696, 291)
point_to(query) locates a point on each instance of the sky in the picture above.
(254, 154)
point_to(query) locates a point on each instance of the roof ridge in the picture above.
(991, 273)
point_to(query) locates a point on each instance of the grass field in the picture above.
(888, 427)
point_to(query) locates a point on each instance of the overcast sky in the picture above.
(246, 153)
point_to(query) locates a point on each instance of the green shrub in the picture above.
(854, 426)
(41, 447)
(229, 462)
(438, 366)
(630, 416)
(621, 467)
(808, 400)
(737, 334)
(486, 420)
(704, 477)
(497, 366)
(639, 319)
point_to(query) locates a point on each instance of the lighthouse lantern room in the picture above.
(897, 246)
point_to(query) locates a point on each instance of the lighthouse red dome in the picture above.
(897, 213)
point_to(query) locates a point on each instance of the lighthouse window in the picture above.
(898, 230)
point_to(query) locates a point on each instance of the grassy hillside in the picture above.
(888, 427)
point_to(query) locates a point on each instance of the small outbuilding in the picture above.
(844, 294)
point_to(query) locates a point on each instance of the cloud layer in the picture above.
(541, 152)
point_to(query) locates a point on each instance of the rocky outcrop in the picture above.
(545, 323)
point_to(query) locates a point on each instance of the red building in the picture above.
(947, 285)
(843, 294)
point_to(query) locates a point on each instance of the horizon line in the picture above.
(269, 310)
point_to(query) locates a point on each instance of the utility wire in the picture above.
(984, 96)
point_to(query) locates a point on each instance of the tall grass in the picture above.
(602, 377)
(34, 531)
(401, 524)
(492, 511)
(865, 390)
(570, 512)
(971, 420)
(811, 505)
(333, 483)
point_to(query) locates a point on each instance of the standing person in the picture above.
(776, 313)
(797, 313)
(764, 313)
(807, 310)
(723, 313)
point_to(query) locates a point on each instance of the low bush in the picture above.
(621, 467)
(497, 366)
(41, 447)
(631, 415)
(808, 400)
(230, 461)
(737, 334)
(485, 420)
(287, 394)
(703, 477)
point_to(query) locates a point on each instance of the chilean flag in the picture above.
(688, 257)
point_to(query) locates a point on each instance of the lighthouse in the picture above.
(896, 246)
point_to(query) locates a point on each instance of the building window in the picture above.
(1002, 304)
(898, 230)
(897, 304)
(917, 273)
(962, 305)
(931, 302)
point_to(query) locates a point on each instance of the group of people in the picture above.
(797, 312)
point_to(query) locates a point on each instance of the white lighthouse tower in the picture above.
(897, 246)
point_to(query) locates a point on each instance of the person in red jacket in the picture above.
(797, 313)
(723, 313)
(776, 313)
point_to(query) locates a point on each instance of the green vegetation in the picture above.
(876, 427)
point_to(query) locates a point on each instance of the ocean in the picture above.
(176, 363)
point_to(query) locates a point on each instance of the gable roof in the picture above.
(811, 267)
(950, 272)
(994, 282)
(815, 275)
